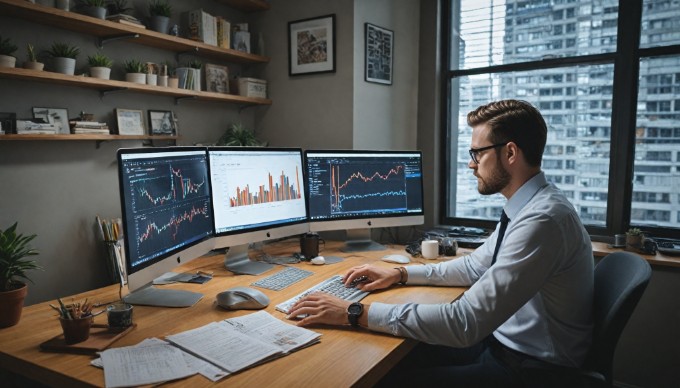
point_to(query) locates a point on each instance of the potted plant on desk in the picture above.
(14, 250)
(634, 237)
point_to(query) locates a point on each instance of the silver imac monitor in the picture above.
(167, 220)
(257, 195)
(357, 190)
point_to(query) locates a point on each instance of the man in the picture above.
(530, 298)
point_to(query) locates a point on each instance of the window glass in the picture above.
(657, 138)
(660, 23)
(576, 157)
(496, 32)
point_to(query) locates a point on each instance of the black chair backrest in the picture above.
(620, 281)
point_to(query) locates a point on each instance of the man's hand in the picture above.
(321, 308)
(370, 278)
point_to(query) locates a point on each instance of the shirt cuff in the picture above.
(417, 274)
(379, 317)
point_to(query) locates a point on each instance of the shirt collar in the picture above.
(524, 194)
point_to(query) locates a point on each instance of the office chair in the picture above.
(620, 281)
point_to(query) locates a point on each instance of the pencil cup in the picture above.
(430, 249)
(76, 330)
(119, 315)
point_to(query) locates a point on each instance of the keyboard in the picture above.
(668, 247)
(333, 286)
(282, 279)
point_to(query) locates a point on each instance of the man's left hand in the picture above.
(320, 307)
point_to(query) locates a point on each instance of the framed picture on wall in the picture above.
(56, 116)
(162, 122)
(379, 54)
(311, 45)
(130, 122)
(216, 78)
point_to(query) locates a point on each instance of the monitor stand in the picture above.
(151, 296)
(359, 240)
(237, 261)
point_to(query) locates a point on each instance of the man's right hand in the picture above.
(376, 278)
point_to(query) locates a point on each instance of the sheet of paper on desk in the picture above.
(274, 331)
(139, 365)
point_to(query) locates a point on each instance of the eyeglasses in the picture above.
(474, 152)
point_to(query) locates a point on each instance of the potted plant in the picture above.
(134, 71)
(32, 62)
(173, 81)
(63, 5)
(117, 7)
(94, 8)
(163, 74)
(64, 57)
(159, 13)
(14, 263)
(7, 48)
(196, 66)
(151, 71)
(634, 237)
(100, 66)
(239, 135)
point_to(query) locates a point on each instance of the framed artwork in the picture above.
(216, 78)
(311, 45)
(8, 122)
(379, 54)
(162, 122)
(56, 116)
(130, 122)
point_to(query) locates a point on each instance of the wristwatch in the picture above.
(354, 311)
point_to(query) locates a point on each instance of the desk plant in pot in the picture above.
(159, 13)
(634, 237)
(64, 57)
(7, 48)
(134, 71)
(94, 8)
(32, 62)
(14, 263)
(100, 66)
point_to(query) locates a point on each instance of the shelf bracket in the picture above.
(102, 41)
(98, 143)
(178, 99)
(103, 93)
(179, 54)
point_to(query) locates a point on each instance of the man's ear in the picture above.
(512, 152)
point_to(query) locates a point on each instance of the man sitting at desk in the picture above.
(531, 282)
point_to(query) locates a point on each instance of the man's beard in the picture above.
(496, 182)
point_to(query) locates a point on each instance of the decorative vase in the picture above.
(138, 78)
(173, 82)
(76, 330)
(159, 23)
(11, 305)
(95, 12)
(100, 72)
(64, 65)
(162, 80)
(34, 65)
(633, 242)
(151, 79)
(7, 61)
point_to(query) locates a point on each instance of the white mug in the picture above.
(430, 249)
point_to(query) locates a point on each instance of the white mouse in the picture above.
(399, 259)
(319, 260)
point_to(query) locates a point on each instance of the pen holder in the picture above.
(76, 330)
(115, 261)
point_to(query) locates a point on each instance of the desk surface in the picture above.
(345, 356)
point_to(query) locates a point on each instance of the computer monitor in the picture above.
(257, 195)
(357, 190)
(167, 219)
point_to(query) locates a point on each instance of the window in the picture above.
(572, 82)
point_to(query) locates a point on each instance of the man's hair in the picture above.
(516, 121)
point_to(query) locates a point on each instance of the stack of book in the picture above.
(29, 127)
(125, 19)
(83, 127)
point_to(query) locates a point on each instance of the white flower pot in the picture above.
(138, 78)
(64, 65)
(162, 80)
(34, 65)
(100, 72)
(151, 79)
(7, 61)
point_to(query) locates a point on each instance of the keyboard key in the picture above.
(333, 286)
(282, 279)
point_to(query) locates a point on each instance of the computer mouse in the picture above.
(319, 260)
(242, 298)
(399, 259)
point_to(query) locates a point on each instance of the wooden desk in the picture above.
(345, 356)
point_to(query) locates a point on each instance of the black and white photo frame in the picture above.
(379, 55)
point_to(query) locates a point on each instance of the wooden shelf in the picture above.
(15, 137)
(104, 29)
(246, 5)
(106, 86)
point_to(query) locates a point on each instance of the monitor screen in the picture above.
(357, 189)
(165, 202)
(257, 195)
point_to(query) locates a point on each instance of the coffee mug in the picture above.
(309, 245)
(119, 314)
(430, 249)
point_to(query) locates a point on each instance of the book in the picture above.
(201, 26)
(242, 342)
(223, 33)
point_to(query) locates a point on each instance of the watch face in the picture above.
(355, 308)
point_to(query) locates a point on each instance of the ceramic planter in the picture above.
(173, 82)
(64, 65)
(63, 4)
(138, 78)
(34, 65)
(100, 72)
(159, 24)
(11, 305)
(95, 12)
(151, 79)
(7, 61)
(162, 80)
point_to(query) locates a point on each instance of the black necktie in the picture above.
(501, 233)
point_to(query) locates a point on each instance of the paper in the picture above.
(274, 331)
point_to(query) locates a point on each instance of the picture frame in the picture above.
(56, 116)
(379, 55)
(8, 122)
(216, 78)
(162, 122)
(130, 122)
(311, 45)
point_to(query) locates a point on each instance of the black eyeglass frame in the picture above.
(475, 151)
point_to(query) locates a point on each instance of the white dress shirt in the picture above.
(536, 299)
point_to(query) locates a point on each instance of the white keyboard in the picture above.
(333, 286)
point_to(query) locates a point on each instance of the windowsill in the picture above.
(601, 249)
